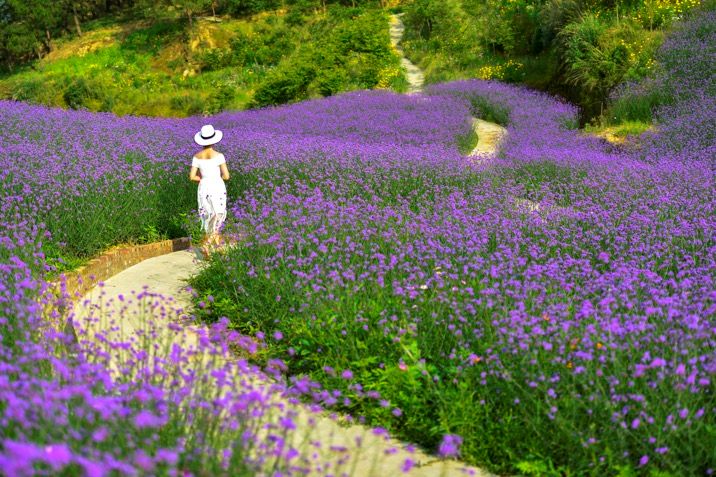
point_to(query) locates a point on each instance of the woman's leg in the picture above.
(216, 221)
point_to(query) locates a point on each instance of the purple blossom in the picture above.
(450, 445)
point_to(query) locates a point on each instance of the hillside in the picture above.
(578, 49)
(165, 67)
(167, 60)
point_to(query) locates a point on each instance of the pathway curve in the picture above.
(489, 137)
(489, 134)
(369, 454)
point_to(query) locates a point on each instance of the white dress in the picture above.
(211, 193)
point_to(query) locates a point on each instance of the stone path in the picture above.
(489, 136)
(167, 275)
(414, 75)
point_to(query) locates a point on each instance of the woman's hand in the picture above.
(194, 175)
(224, 172)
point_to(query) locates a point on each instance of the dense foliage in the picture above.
(163, 66)
(580, 49)
(27, 27)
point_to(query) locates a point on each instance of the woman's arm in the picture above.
(224, 172)
(193, 176)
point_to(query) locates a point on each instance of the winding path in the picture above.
(414, 75)
(489, 135)
(165, 277)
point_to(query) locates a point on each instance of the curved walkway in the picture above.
(414, 75)
(489, 136)
(164, 278)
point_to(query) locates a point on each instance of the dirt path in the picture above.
(167, 275)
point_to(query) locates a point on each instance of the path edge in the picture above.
(77, 283)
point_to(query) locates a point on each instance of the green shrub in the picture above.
(219, 99)
(78, 93)
(189, 104)
(28, 89)
(248, 7)
(637, 106)
(152, 39)
(284, 85)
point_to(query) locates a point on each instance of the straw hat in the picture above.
(208, 135)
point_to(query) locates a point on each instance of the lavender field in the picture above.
(554, 306)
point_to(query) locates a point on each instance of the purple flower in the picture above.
(450, 445)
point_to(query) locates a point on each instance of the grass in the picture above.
(163, 69)
(467, 143)
(620, 132)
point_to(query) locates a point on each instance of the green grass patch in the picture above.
(621, 130)
(164, 69)
(467, 142)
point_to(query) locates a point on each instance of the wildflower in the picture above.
(450, 445)
(408, 464)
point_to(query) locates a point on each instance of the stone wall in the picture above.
(110, 263)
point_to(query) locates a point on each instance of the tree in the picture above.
(191, 7)
(38, 15)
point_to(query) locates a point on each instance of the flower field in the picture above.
(548, 311)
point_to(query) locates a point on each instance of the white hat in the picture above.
(208, 135)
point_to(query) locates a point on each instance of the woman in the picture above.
(208, 168)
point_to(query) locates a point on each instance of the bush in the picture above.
(78, 93)
(188, 104)
(636, 104)
(219, 99)
(284, 85)
(248, 7)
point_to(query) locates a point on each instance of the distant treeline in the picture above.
(27, 27)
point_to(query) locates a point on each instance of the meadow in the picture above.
(552, 307)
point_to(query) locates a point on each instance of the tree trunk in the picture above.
(188, 14)
(48, 39)
(213, 9)
(77, 20)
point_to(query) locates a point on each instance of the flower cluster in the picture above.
(561, 295)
